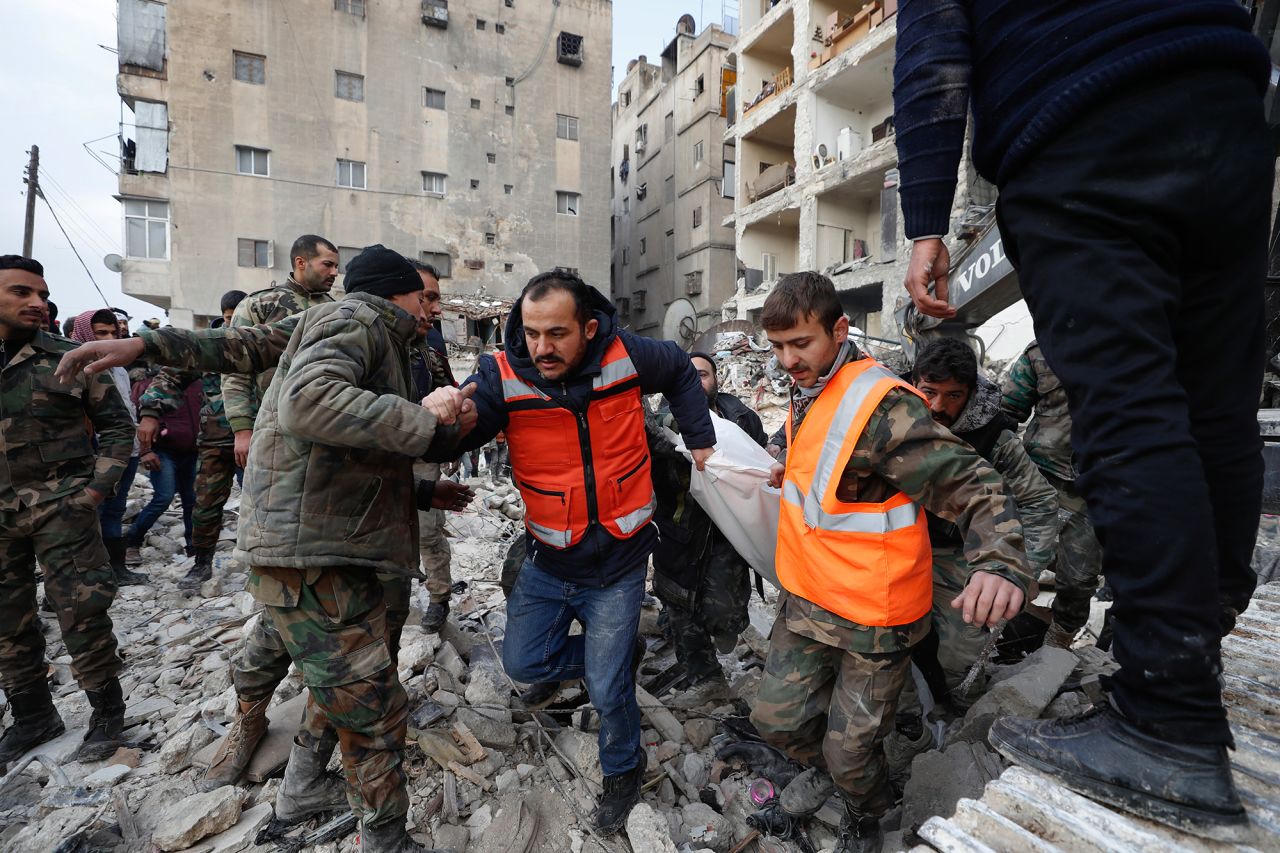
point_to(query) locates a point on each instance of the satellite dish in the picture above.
(114, 262)
(681, 323)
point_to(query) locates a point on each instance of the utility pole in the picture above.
(33, 190)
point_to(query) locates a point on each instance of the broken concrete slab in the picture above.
(105, 777)
(242, 835)
(1025, 694)
(273, 752)
(706, 828)
(490, 731)
(197, 817)
(648, 831)
(699, 731)
(939, 779)
(581, 748)
(659, 717)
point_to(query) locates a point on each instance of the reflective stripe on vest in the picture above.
(554, 538)
(850, 522)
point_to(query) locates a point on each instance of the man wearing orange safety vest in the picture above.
(566, 390)
(864, 460)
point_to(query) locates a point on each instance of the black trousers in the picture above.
(1140, 241)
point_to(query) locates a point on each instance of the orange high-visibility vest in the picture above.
(573, 469)
(868, 562)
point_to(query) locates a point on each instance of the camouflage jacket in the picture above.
(165, 396)
(242, 394)
(45, 427)
(330, 474)
(1031, 387)
(903, 449)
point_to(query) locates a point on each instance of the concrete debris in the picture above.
(1023, 693)
(648, 831)
(940, 779)
(196, 817)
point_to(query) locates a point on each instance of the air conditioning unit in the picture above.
(640, 146)
(642, 189)
(435, 13)
(821, 155)
(768, 264)
(693, 284)
(848, 143)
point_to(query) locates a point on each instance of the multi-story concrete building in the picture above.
(472, 134)
(672, 186)
(817, 177)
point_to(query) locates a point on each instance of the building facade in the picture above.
(672, 263)
(817, 180)
(472, 134)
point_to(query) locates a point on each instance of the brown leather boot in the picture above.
(1058, 637)
(238, 746)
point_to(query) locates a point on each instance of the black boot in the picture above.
(390, 837)
(539, 694)
(307, 787)
(437, 613)
(621, 792)
(116, 548)
(1104, 756)
(858, 833)
(35, 721)
(105, 724)
(200, 572)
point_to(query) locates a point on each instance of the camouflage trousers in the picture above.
(1079, 558)
(333, 623)
(216, 472)
(396, 592)
(63, 534)
(719, 614)
(959, 644)
(433, 545)
(832, 708)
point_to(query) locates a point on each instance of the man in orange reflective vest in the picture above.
(566, 390)
(864, 459)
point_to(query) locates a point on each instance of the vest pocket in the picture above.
(547, 514)
(360, 522)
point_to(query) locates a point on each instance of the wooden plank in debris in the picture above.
(470, 775)
(468, 743)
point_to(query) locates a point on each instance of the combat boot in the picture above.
(1058, 637)
(238, 746)
(1103, 755)
(621, 793)
(806, 794)
(390, 837)
(199, 573)
(901, 747)
(537, 695)
(436, 614)
(116, 550)
(35, 721)
(307, 788)
(858, 833)
(711, 690)
(105, 724)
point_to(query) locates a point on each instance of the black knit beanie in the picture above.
(382, 272)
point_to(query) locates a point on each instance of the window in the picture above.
(432, 98)
(255, 253)
(642, 138)
(249, 67)
(433, 183)
(490, 239)
(644, 245)
(348, 86)
(442, 261)
(626, 256)
(146, 229)
(479, 23)
(508, 267)
(510, 109)
(626, 204)
(567, 203)
(351, 174)
(669, 189)
(693, 283)
(697, 152)
(571, 270)
(698, 86)
(475, 103)
(353, 7)
(637, 301)
(252, 161)
(566, 127)
(511, 81)
(669, 126)
(626, 98)
(697, 217)
(510, 3)
(491, 157)
(475, 183)
(729, 183)
(569, 49)
(506, 189)
(500, 29)
(473, 264)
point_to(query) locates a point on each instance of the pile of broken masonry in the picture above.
(485, 774)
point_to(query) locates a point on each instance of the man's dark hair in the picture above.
(18, 262)
(231, 299)
(945, 360)
(53, 310)
(798, 295)
(423, 266)
(104, 315)
(308, 246)
(68, 326)
(704, 357)
(543, 283)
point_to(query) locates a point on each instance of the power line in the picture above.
(58, 222)
(75, 204)
(74, 227)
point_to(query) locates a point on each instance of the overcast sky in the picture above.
(59, 93)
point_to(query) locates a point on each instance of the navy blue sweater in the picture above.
(1031, 67)
(598, 559)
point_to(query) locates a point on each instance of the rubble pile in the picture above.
(486, 773)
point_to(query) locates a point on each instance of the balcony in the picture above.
(844, 24)
(770, 17)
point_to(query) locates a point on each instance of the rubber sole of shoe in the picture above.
(1211, 825)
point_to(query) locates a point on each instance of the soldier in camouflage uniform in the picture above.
(264, 660)
(50, 488)
(217, 464)
(704, 584)
(1030, 387)
(831, 685)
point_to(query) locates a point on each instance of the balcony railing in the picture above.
(780, 82)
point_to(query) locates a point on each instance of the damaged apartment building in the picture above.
(672, 179)
(471, 135)
(811, 120)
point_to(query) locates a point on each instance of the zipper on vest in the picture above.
(588, 472)
(633, 471)
(547, 492)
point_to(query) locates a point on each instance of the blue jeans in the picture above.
(538, 649)
(111, 511)
(177, 475)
